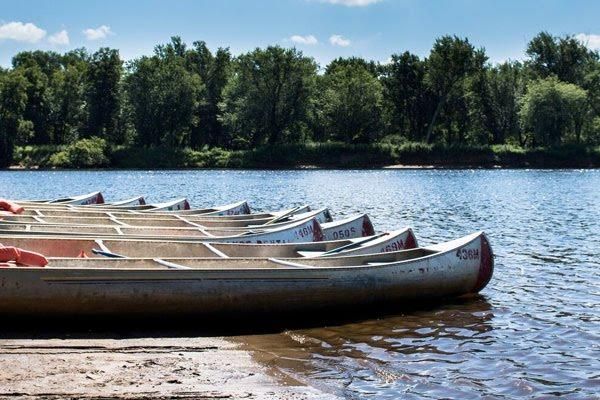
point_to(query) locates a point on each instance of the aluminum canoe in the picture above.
(230, 211)
(84, 199)
(100, 248)
(238, 286)
(300, 231)
(322, 215)
(117, 227)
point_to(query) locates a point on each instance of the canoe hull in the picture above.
(248, 287)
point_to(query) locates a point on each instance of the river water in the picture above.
(533, 333)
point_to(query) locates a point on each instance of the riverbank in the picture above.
(142, 367)
(310, 155)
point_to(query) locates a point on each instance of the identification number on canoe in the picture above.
(394, 246)
(343, 233)
(467, 254)
(306, 231)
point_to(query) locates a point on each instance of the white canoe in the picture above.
(79, 200)
(117, 227)
(100, 248)
(322, 215)
(237, 286)
(348, 228)
(82, 200)
(300, 231)
(134, 205)
(258, 218)
(132, 202)
(167, 206)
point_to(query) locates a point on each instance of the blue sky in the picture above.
(323, 29)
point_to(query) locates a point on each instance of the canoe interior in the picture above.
(157, 231)
(238, 263)
(72, 247)
(46, 212)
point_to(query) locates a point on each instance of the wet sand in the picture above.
(131, 368)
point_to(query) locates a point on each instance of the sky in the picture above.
(323, 29)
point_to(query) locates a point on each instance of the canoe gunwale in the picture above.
(458, 244)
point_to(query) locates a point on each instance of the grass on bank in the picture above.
(95, 153)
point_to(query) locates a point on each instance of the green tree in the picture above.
(267, 98)
(372, 67)
(507, 85)
(164, 97)
(564, 57)
(104, 74)
(552, 109)
(214, 71)
(406, 93)
(352, 103)
(68, 114)
(13, 101)
(47, 61)
(38, 106)
(451, 60)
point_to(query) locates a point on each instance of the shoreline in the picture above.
(18, 168)
(144, 367)
(312, 156)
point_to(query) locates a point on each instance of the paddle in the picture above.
(107, 254)
(355, 244)
(283, 216)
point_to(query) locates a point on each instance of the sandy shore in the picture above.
(132, 368)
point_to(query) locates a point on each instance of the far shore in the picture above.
(327, 155)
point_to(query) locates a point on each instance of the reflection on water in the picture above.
(414, 352)
(535, 332)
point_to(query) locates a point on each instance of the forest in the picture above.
(188, 106)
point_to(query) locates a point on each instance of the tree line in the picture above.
(189, 96)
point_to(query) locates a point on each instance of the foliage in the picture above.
(552, 109)
(192, 107)
(164, 97)
(13, 127)
(451, 60)
(84, 153)
(267, 98)
(352, 104)
(103, 94)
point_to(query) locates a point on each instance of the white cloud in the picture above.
(339, 40)
(352, 3)
(59, 38)
(99, 33)
(308, 39)
(21, 32)
(591, 41)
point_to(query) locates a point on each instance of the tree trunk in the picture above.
(436, 113)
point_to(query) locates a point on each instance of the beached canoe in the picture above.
(68, 202)
(100, 248)
(132, 202)
(238, 286)
(244, 219)
(77, 200)
(322, 215)
(139, 225)
(352, 227)
(300, 231)
(182, 206)
(82, 200)
(172, 207)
